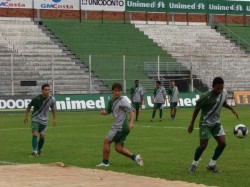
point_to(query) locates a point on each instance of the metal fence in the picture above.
(22, 77)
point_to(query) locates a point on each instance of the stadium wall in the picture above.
(105, 15)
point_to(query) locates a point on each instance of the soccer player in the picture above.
(119, 106)
(210, 105)
(137, 97)
(159, 99)
(39, 119)
(173, 99)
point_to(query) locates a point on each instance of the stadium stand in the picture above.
(237, 33)
(107, 43)
(32, 56)
(205, 52)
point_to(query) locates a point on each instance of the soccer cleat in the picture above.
(102, 165)
(160, 119)
(138, 160)
(34, 154)
(213, 168)
(173, 118)
(152, 120)
(39, 153)
(192, 169)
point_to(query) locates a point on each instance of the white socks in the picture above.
(212, 162)
(195, 163)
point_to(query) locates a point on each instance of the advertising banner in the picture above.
(89, 101)
(242, 98)
(191, 6)
(57, 4)
(106, 5)
(16, 4)
(238, 7)
(146, 5)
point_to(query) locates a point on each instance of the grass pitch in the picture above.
(166, 147)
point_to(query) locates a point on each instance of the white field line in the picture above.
(7, 163)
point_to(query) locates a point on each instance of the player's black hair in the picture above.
(158, 82)
(117, 86)
(218, 80)
(45, 85)
(136, 80)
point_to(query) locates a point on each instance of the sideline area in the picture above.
(59, 175)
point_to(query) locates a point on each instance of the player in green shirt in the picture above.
(173, 99)
(210, 105)
(137, 93)
(159, 99)
(39, 119)
(120, 129)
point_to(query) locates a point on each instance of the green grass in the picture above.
(240, 31)
(166, 147)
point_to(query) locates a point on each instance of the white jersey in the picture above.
(137, 93)
(119, 107)
(173, 94)
(160, 94)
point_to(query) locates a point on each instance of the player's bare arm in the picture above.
(232, 109)
(25, 120)
(141, 100)
(195, 114)
(131, 120)
(154, 99)
(104, 112)
(54, 117)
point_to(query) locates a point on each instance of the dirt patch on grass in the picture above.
(59, 175)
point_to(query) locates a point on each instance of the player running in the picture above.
(119, 106)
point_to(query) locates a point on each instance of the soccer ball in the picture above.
(240, 131)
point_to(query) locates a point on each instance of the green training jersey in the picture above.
(210, 105)
(119, 108)
(173, 94)
(136, 92)
(41, 108)
(160, 94)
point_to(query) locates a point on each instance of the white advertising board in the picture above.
(16, 4)
(106, 5)
(57, 4)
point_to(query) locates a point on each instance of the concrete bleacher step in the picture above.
(69, 77)
(22, 77)
(25, 51)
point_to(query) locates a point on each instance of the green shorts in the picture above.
(206, 132)
(38, 127)
(173, 105)
(115, 136)
(158, 106)
(136, 105)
